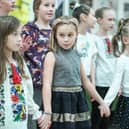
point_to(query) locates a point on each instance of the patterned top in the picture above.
(105, 62)
(87, 50)
(35, 45)
(16, 99)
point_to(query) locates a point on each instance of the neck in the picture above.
(126, 52)
(42, 24)
(3, 13)
(102, 32)
(82, 29)
(9, 56)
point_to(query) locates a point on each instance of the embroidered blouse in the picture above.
(16, 99)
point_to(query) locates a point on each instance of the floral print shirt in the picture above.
(35, 47)
(16, 99)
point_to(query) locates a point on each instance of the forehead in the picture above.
(47, 1)
(66, 28)
(108, 13)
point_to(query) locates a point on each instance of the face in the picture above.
(46, 10)
(7, 5)
(108, 20)
(66, 36)
(14, 41)
(91, 19)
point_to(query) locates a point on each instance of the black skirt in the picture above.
(121, 115)
(70, 110)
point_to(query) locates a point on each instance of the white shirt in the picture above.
(105, 63)
(7, 111)
(86, 49)
(120, 80)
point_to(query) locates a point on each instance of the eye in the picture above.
(15, 33)
(61, 35)
(53, 5)
(70, 35)
(46, 4)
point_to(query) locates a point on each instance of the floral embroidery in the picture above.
(2, 109)
(17, 96)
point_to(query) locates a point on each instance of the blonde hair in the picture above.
(58, 22)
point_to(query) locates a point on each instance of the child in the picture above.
(35, 45)
(85, 41)
(16, 89)
(6, 6)
(105, 61)
(121, 77)
(64, 76)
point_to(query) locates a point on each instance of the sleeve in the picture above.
(116, 84)
(33, 108)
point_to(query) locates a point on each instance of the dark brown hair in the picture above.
(8, 25)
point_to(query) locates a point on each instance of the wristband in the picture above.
(47, 113)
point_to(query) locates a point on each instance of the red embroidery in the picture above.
(16, 77)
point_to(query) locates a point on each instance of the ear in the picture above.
(99, 20)
(83, 17)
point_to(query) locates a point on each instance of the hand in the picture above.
(44, 121)
(26, 43)
(104, 110)
(120, 92)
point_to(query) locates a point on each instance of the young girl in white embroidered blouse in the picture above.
(121, 77)
(16, 90)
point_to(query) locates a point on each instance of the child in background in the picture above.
(16, 89)
(6, 6)
(64, 79)
(105, 61)
(35, 45)
(85, 41)
(121, 77)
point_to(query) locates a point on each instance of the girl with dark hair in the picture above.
(16, 88)
(121, 77)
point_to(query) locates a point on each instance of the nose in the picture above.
(66, 38)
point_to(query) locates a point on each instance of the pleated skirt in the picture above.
(69, 107)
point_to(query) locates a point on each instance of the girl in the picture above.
(16, 89)
(121, 77)
(85, 41)
(35, 45)
(104, 63)
(64, 75)
(6, 6)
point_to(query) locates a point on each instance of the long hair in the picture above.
(8, 25)
(36, 5)
(123, 30)
(68, 20)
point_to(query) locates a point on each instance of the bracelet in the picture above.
(47, 113)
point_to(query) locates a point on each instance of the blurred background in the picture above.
(64, 7)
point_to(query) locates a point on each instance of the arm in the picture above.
(87, 85)
(116, 84)
(46, 91)
(92, 73)
(33, 108)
